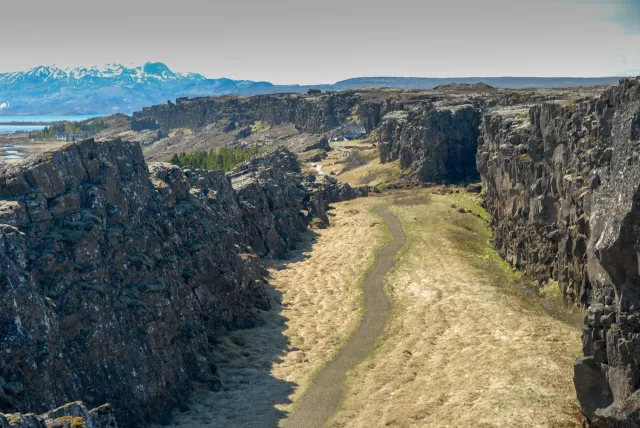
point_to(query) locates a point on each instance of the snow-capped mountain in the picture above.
(113, 88)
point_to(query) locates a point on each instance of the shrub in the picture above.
(224, 158)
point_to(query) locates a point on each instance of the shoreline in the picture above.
(29, 123)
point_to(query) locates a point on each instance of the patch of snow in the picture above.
(158, 72)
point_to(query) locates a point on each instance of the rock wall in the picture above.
(563, 185)
(116, 275)
(313, 114)
(437, 143)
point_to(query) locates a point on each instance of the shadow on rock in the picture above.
(248, 395)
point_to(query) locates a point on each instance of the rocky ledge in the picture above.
(73, 415)
(117, 276)
(563, 186)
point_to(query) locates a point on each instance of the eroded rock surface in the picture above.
(72, 415)
(437, 143)
(117, 276)
(562, 183)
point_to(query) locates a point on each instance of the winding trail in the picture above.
(321, 401)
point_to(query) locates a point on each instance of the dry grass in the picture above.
(373, 173)
(410, 198)
(357, 162)
(180, 132)
(260, 126)
(354, 160)
(317, 301)
(323, 294)
(459, 351)
(474, 238)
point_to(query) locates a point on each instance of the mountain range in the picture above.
(115, 88)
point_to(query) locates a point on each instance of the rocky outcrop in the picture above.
(73, 415)
(438, 144)
(563, 183)
(314, 114)
(116, 275)
(272, 201)
(480, 86)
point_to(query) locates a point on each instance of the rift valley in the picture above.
(193, 297)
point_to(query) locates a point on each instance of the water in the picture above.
(7, 129)
(10, 129)
(48, 119)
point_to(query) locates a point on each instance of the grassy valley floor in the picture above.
(464, 345)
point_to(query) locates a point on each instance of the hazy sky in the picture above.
(322, 41)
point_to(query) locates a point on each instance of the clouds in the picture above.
(306, 41)
(628, 15)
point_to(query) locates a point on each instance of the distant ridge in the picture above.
(496, 82)
(115, 88)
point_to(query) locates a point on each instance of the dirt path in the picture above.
(325, 394)
(461, 348)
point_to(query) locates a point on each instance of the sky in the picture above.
(324, 41)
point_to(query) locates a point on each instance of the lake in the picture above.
(7, 129)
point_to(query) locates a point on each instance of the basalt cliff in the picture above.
(118, 275)
(563, 187)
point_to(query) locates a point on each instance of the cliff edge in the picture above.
(117, 276)
(562, 187)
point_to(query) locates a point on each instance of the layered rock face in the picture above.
(563, 186)
(116, 275)
(312, 114)
(437, 143)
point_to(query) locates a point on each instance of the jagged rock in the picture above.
(437, 143)
(474, 188)
(116, 274)
(433, 133)
(260, 186)
(143, 123)
(243, 133)
(72, 415)
(562, 186)
(316, 113)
